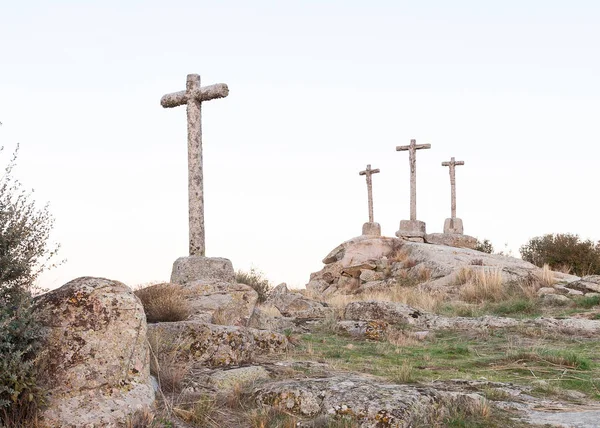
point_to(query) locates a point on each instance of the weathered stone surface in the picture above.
(209, 270)
(391, 312)
(371, 229)
(226, 304)
(96, 363)
(555, 300)
(368, 275)
(453, 226)
(264, 321)
(193, 96)
(546, 290)
(451, 240)
(296, 305)
(355, 270)
(590, 283)
(218, 345)
(227, 380)
(372, 330)
(317, 286)
(412, 230)
(370, 401)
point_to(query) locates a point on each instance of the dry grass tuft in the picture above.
(164, 302)
(166, 362)
(546, 276)
(482, 285)
(416, 298)
(140, 419)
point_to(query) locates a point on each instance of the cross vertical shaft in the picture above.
(369, 172)
(193, 96)
(412, 158)
(197, 244)
(452, 164)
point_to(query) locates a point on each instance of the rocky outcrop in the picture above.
(216, 345)
(296, 305)
(365, 264)
(221, 303)
(587, 284)
(369, 401)
(96, 364)
(390, 312)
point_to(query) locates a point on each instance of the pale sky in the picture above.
(318, 89)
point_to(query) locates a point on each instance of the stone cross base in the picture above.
(453, 226)
(451, 240)
(412, 230)
(209, 270)
(371, 229)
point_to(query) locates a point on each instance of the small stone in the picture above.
(555, 300)
(227, 380)
(546, 290)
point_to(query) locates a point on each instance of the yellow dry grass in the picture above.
(481, 285)
(546, 276)
(414, 297)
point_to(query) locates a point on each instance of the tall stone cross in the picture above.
(452, 164)
(412, 150)
(369, 172)
(193, 96)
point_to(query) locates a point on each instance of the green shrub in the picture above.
(563, 252)
(484, 246)
(24, 254)
(256, 280)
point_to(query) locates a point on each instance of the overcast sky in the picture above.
(318, 89)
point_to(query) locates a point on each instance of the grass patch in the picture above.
(507, 355)
(586, 302)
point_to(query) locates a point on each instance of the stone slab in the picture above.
(411, 229)
(209, 270)
(453, 226)
(371, 229)
(451, 240)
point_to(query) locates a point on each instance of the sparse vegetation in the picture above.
(25, 253)
(164, 302)
(255, 279)
(484, 246)
(564, 252)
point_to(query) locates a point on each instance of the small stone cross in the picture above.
(369, 172)
(452, 164)
(193, 96)
(412, 150)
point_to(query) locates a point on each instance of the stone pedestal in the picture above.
(451, 240)
(412, 230)
(210, 270)
(371, 229)
(453, 226)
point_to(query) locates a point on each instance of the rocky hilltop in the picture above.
(389, 333)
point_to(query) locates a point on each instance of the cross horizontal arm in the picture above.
(453, 163)
(206, 93)
(416, 146)
(371, 171)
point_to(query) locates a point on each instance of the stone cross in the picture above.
(412, 150)
(369, 172)
(193, 96)
(452, 164)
